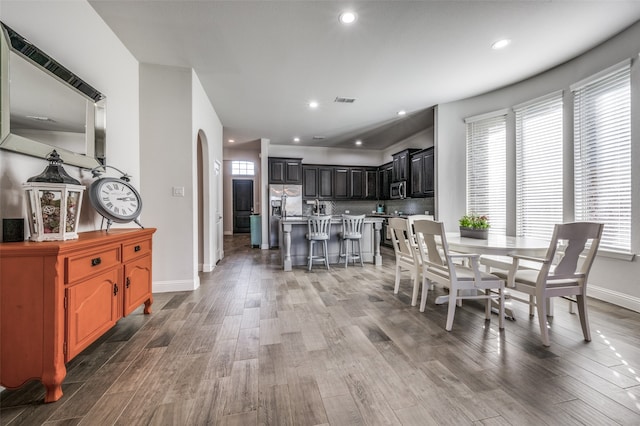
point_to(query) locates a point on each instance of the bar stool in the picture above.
(351, 233)
(318, 231)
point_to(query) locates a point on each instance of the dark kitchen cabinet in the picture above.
(341, 183)
(402, 165)
(422, 174)
(285, 170)
(317, 182)
(309, 182)
(357, 182)
(384, 179)
(371, 183)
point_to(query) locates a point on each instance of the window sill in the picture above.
(619, 255)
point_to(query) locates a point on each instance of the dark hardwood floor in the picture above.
(255, 345)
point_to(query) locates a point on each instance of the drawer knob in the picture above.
(96, 261)
(137, 248)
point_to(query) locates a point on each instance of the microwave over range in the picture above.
(398, 190)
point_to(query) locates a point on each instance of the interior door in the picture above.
(218, 209)
(242, 205)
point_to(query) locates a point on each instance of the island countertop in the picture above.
(294, 248)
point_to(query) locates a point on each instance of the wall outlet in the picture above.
(178, 191)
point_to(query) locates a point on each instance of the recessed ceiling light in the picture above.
(313, 104)
(231, 141)
(348, 17)
(500, 44)
(296, 139)
(358, 142)
(402, 112)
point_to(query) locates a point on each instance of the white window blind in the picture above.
(539, 166)
(486, 170)
(242, 168)
(602, 143)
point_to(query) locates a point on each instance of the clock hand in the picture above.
(126, 199)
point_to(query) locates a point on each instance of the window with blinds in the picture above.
(486, 169)
(539, 166)
(602, 143)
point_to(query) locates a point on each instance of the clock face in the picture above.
(115, 199)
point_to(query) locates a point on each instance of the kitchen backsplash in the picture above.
(407, 206)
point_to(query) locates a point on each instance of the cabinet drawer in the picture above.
(135, 249)
(82, 266)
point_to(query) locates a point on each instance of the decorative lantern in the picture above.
(53, 203)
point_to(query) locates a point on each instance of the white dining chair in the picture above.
(318, 232)
(438, 265)
(579, 243)
(405, 255)
(350, 236)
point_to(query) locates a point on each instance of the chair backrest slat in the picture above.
(578, 238)
(318, 225)
(430, 235)
(352, 225)
(399, 237)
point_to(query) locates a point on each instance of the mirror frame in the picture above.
(11, 41)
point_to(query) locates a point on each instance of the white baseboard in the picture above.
(207, 267)
(228, 232)
(614, 297)
(177, 285)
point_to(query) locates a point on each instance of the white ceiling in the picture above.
(262, 61)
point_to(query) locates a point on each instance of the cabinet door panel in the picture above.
(416, 176)
(137, 283)
(309, 182)
(276, 171)
(92, 309)
(293, 172)
(371, 184)
(341, 188)
(357, 183)
(428, 173)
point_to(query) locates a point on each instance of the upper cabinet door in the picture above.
(285, 170)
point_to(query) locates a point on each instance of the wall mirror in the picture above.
(44, 106)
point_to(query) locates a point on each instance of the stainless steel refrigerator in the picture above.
(284, 200)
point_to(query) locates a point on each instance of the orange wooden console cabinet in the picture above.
(58, 297)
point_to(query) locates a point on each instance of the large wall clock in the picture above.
(115, 199)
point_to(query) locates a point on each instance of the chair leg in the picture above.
(310, 253)
(360, 253)
(584, 317)
(452, 308)
(397, 285)
(425, 289)
(347, 255)
(532, 305)
(501, 309)
(487, 305)
(326, 253)
(542, 319)
(416, 289)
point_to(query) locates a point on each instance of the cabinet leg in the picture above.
(147, 305)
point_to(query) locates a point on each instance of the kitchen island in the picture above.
(294, 247)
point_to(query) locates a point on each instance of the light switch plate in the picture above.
(178, 191)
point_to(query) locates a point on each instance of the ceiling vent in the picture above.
(340, 100)
(318, 138)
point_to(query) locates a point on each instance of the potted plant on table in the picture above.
(474, 226)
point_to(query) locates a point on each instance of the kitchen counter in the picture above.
(295, 248)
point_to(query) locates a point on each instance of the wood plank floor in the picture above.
(255, 345)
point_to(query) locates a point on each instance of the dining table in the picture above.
(493, 246)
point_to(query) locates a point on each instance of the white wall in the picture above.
(205, 122)
(73, 34)
(173, 110)
(612, 280)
